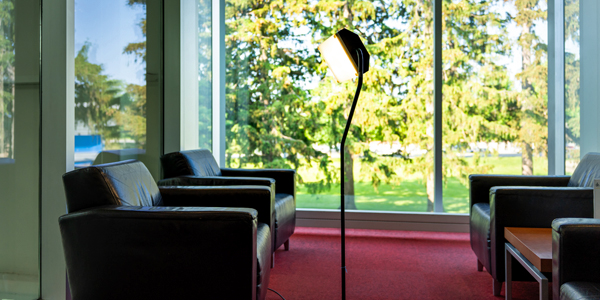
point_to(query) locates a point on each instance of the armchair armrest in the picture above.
(480, 185)
(515, 206)
(168, 249)
(575, 244)
(191, 180)
(285, 179)
(259, 198)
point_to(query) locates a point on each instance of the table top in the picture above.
(535, 244)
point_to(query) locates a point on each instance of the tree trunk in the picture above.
(349, 180)
(527, 158)
(430, 185)
(348, 15)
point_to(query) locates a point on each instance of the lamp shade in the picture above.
(339, 52)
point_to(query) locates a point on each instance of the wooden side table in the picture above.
(532, 248)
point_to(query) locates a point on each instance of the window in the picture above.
(283, 111)
(572, 85)
(7, 82)
(110, 80)
(196, 68)
(118, 82)
(495, 93)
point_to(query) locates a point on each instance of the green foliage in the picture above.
(108, 107)
(7, 78)
(274, 119)
(268, 116)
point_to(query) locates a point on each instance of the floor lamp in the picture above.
(347, 57)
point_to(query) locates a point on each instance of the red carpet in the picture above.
(384, 265)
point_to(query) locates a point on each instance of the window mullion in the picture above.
(437, 99)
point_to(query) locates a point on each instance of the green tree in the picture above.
(106, 106)
(477, 105)
(533, 97)
(268, 117)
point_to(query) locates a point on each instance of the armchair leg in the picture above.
(497, 286)
(272, 260)
(287, 245)
(479, 266)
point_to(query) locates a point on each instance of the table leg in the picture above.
(508, 273)
(544, 289)
(513, 253)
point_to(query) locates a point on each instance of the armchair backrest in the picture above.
(122, 183)
(190, 163)
(587, 170)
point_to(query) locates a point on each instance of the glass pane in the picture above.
(19, 150)
(572, 85)
(196, 70)
(110, 80)
(285, 110)
(205, 74)
(7, 82)
(495, 91)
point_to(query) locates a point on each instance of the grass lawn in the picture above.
(410, 194)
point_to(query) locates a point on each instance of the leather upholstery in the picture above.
(285, 218)
(192, 162)
(525, 201)
(256, 197)
(199, 168)
(586, 171)
(117, 251)
(122, 183)
(531, 207)
(575, 260)
(580, 291)
(285, 178)
(263, 253)
(480, 233)
(217, 181)
(480, 185)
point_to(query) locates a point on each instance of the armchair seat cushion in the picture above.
(285, 217)
(577, 290)
(480, 233)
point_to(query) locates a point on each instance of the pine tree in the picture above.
(533, 97)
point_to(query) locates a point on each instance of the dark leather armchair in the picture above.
(499, 201)
(575, 260)
(124, 238)
(199, 168)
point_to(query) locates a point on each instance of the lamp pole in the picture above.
(342, 150)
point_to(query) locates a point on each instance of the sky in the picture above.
(109, 25)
